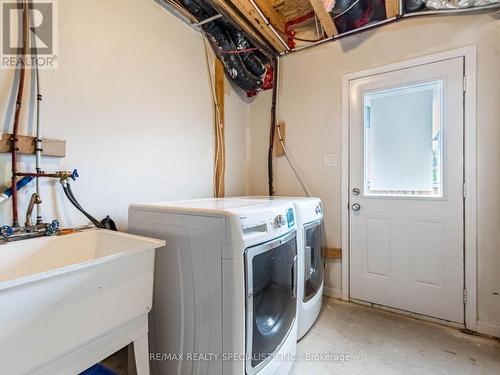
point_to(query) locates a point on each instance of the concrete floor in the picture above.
(372, 341)
(364, 340)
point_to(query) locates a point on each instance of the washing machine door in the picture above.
(313, 259)
(271, 287)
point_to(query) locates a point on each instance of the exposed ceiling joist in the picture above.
(230, 12)
(324, 17)
(254, 18)
(272, 16)
(329, 4)
(391, 8)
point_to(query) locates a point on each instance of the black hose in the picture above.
(72, 199)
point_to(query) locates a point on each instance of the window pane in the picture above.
(403, 141)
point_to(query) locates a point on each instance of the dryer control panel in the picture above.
(263, 222)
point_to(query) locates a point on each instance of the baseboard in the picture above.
(332, 292)
(488, 329)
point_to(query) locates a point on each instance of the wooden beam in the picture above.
(332, 253)
(228, 11)
(277, 144)
(253, 17)
(324, 17)
(272, 16)
(329, 4)
(391, 8)
(220, 148)
(26, 144)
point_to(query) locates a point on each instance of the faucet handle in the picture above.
(52, 228)
(6, 231)
(74, 175)
(55, 224)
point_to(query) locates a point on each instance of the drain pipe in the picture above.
(272, 130)
(15, 131)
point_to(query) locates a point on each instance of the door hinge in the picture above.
(465, 83)
(465, 296)
(464, 189)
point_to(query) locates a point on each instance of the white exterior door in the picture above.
(406, 189)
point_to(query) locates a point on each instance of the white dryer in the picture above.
(225, 298)
(309, 212)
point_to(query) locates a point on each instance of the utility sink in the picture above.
(68, 302)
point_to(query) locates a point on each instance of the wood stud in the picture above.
(332, 253)
(324, 17)
(391, 8)
(220, 148)
(253, 17)
(26, 145)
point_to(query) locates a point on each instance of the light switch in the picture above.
(329, 160)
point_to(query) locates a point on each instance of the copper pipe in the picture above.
(19, 101)
(36, 174)
(59, 174)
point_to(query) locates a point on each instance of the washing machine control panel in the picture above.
(318, 209)
(279, 221)
(269, 222)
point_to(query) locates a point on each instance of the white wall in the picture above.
(310, 104)
(131, 97)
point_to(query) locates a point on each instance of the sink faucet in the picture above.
(35, 199)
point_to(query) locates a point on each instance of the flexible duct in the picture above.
(457, 4)
(246, 69)
(353, 14)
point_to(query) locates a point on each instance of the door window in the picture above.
(271, 306)
(403, 140)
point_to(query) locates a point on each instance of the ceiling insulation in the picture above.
(291, 9)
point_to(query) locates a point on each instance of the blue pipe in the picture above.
(19, 185)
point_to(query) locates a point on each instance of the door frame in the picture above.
(470, 243)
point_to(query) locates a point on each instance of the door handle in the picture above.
(356, 207)
(294, 277)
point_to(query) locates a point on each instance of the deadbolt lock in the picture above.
(355, 191)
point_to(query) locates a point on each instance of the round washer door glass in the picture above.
(271, 304)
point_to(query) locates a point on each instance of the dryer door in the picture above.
(313, 259)
(271, 286)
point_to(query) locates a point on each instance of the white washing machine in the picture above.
(309, 212)
(225, 298)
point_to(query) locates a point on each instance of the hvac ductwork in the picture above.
(353, 14)
(246, 65)
(414, 5)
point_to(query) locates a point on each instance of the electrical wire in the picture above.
(307, 40)
(347, 10)
(230, 52)
(291, 163)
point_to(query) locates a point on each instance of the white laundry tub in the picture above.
(68, 302)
